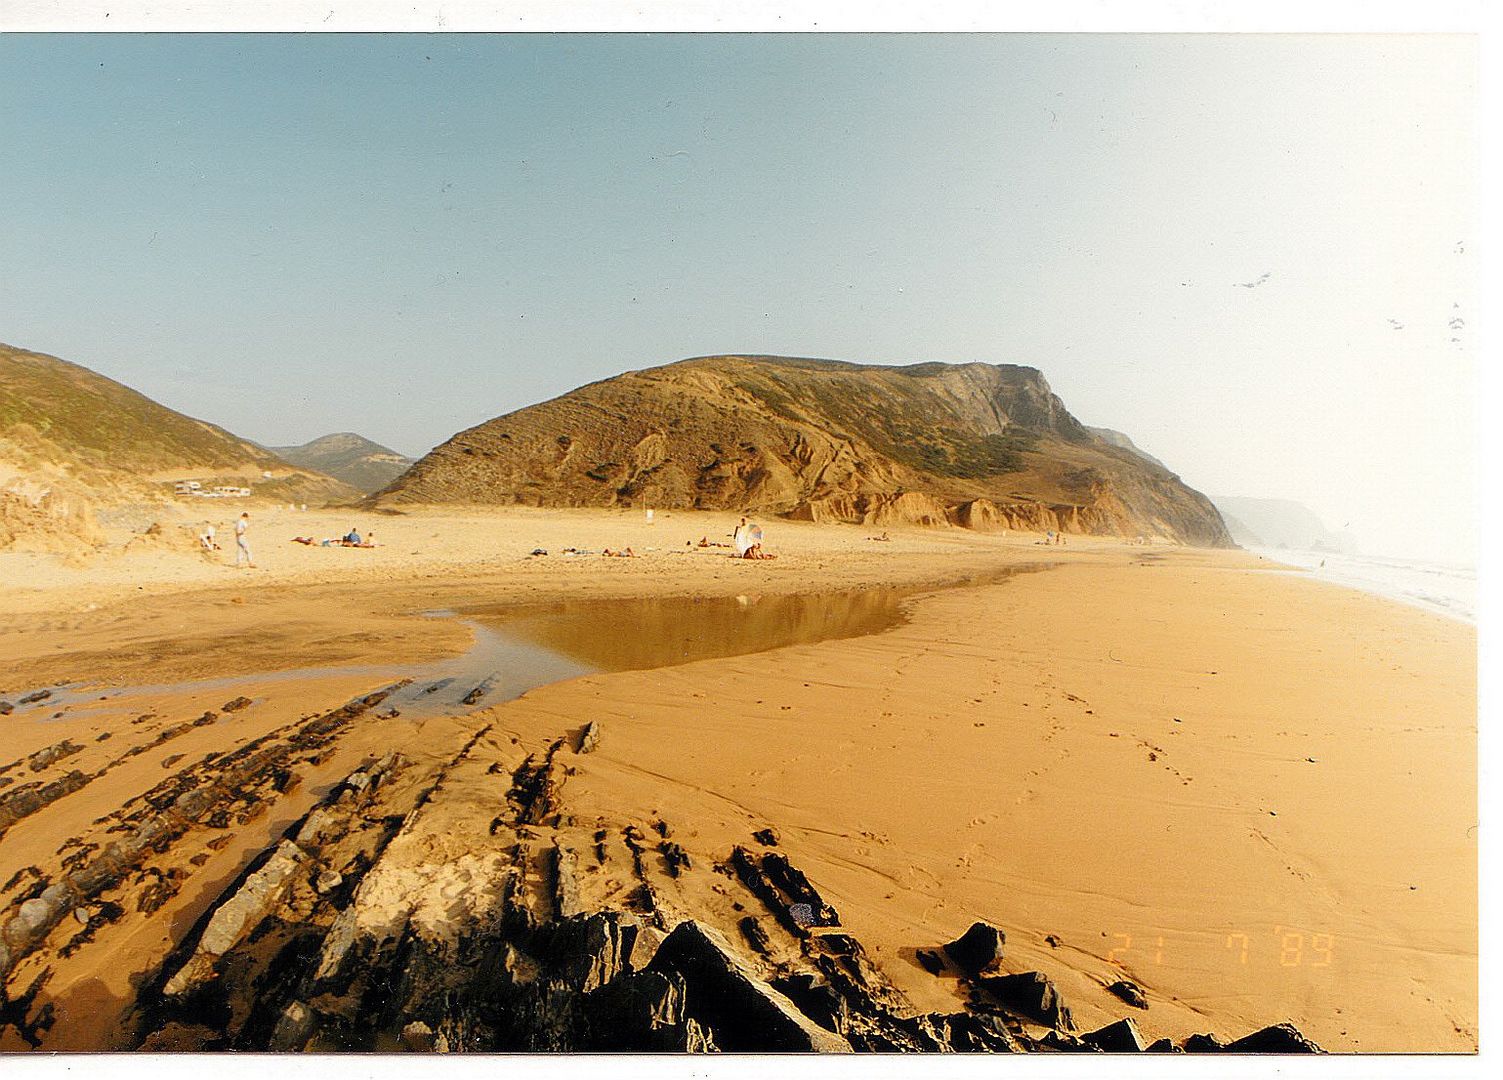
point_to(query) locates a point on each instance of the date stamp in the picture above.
(1289, 947)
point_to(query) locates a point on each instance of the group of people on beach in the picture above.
(349, 539)
(746, 541)
(243, 557)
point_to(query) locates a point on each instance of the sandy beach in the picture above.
(1252, 794)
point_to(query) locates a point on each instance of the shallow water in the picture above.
(1449, 590)
(518, 647)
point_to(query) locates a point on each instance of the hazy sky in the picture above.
(405, 236)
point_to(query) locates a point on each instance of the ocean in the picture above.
(1447, 589)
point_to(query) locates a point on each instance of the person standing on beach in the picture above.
(242, 545)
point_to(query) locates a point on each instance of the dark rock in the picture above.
(816, 999)
(474, 696)
(1121, 1037)
(586, 952)
(1275, 1039)
(56, 752)
(589, 738)
(642, 1012)
(1129, 992)
(767, 836)
(932, 962)
(975, 1032)
(844, 963)
(1068, 1044)
(236, 705)
(784, 889)
(1030, 994)
(724, 995)
(979, 950)
(6, 708)
(294, 1028)
(31, 699)
(1204, 1044)
(755, 936)
(1163, 1046)
(676, 858)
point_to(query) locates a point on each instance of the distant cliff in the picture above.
(1278, 523)
(985, 446)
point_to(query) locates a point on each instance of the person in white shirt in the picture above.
(242, 545)
(741, 538)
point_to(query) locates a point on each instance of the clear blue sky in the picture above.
(405, 236)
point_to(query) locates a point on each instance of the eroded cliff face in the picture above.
(821, 441)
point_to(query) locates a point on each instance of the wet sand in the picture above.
(1114, 751)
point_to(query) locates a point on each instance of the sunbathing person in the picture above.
(756, 552)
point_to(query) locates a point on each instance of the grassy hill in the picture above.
(72, 441)
(973, 444)
(364, 465)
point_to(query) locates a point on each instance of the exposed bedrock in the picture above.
(385, 920)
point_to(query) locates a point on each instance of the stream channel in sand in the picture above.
(518, 647)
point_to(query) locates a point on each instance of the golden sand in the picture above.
(1253, 794)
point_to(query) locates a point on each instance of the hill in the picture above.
(73, 441)
(364, 465)
(970, 444)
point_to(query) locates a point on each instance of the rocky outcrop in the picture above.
(237, 917)
(218, 792)
(745, 1013)
(1129, 992)
(1121, 1037)
(1275, 1039)
(978, 445)
(979, 950)
(391, 917)
(1032, 994)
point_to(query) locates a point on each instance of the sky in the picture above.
(1254, 254)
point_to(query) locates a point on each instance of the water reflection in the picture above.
(623, 635)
